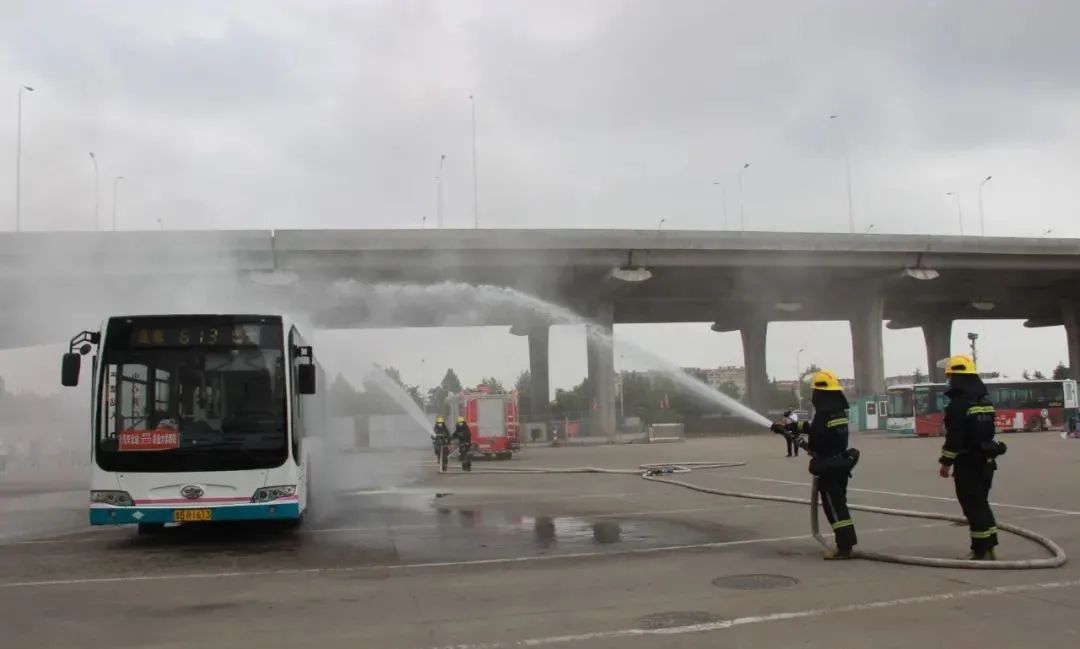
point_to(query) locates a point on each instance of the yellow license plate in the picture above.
(192, 515)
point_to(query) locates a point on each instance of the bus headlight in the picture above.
(114, 498)
(266, 494)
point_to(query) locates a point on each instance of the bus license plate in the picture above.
(191, 515)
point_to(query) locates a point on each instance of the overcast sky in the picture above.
(609, 114)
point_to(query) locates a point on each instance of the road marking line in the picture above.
(442, 564)
(448, 564)
(772, 617)
(401, 566)
(908, 495)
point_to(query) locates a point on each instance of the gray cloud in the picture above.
(603, 113)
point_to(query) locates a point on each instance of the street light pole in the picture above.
(723, 201)
(116, 182)
(982, 219)
(742, 214)
(798, 378)
(438, 194)
(847, 172)
(18, 160)
(97, 215)
(959, 212)
(661, 224)
(475, 186)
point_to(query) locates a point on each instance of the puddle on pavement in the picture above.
(410, 527)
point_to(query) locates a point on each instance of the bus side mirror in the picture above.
(305, 378)
(69, 370)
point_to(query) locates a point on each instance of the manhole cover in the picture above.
(673, 619)
(755, 582)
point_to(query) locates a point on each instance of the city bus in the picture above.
(1036, 405)
(199, 418)
(917, 409)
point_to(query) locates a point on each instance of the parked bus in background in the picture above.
(917, 409)
(1036, 405)
(199, 418)
(901, 417)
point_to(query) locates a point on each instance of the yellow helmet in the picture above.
(461, 420)
(826, 380)
(440, 420)
(960, 364)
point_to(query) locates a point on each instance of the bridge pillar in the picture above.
(938, 337)
(754, 334)
(601, 356)
(867, 348)
(539, 373)
(1071, 319)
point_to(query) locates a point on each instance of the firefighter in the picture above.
(463, 436)
(970, 452)
(790, 417)
(440, 442)
(831, 459)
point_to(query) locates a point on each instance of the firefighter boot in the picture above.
(837, 555)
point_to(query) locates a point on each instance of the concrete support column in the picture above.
(1071, 319)
(540, 386)
(938, 337)
(754, 334)
(601, 355)
(868, 351)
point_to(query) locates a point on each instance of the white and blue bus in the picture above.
(199, 418)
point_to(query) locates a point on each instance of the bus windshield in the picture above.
(192, 395)
(900, 403)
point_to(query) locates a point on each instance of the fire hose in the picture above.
(656, 473)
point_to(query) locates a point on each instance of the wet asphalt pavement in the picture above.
(486, 561)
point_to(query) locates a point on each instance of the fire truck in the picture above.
(492, 418)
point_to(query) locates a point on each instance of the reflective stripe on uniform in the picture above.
(983, 535)
(947, 454)
(980, 410)
(847, 522)
(840, 421)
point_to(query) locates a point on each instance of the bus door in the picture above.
(1070, 409)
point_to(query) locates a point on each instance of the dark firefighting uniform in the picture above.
(463, 436)
(440, 441)
(971, 450)
(828, 445)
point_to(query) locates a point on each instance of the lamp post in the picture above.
(742, 214)
(798, 377)
(959, 212)
(982, 219)
(18, 160)
(115, 185)
(438, 194)
(475, 182)
(723, 201)
(97, 187)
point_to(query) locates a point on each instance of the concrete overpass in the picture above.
(737, 280)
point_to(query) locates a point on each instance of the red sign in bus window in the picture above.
(162, 438)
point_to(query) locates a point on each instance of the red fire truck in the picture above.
(492, 418)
